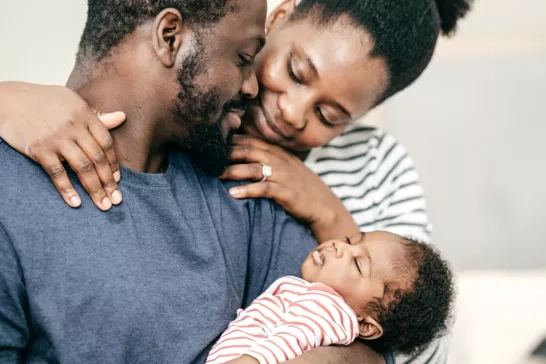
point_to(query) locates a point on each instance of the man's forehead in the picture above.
(246, 20)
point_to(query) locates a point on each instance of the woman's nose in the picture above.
(292, 111)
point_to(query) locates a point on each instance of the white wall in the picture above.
(474, 122)
(39, 44)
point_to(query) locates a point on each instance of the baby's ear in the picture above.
(369, 328)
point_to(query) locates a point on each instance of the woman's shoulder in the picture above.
(359, 145)
(358, 136)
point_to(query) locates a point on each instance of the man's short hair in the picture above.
(109, 21)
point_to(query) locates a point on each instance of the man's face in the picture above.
(216, 80)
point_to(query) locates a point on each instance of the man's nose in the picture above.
(250, 87)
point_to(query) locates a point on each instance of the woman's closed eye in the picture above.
(290, 69)
(323, 119)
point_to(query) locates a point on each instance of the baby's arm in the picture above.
(249, 327)
(316, 318)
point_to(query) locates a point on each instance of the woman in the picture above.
(325, 64)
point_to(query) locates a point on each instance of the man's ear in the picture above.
(280, 14)
(168, 33)
(369, 328)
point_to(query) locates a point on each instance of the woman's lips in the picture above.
(265, 128)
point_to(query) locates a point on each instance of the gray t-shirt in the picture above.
(154, 280)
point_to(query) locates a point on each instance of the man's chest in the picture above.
(138, 279)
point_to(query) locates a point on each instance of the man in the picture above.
(159, 278)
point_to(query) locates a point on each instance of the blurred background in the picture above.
(474, 123)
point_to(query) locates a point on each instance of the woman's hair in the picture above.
(413, 316)
(404, 31)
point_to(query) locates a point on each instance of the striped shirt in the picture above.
(376, 180)
(291, 317)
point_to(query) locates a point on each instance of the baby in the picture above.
(395, 292)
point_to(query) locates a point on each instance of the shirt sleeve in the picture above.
(14, 330)
(278, 247)
(316, 318)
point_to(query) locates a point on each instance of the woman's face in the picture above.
(314, 81)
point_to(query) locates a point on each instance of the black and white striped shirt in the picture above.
(376, 180)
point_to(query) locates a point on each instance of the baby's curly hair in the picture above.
(412, 317)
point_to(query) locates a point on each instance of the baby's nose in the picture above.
(337, 250)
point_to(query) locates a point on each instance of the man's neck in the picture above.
(138, 142)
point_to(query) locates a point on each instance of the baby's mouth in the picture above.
(318, 258)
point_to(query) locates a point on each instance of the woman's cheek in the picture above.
(271, 72)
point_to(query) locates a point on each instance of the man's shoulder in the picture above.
(17, 168)
(27, 194)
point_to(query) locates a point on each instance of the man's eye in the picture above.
(244, 61)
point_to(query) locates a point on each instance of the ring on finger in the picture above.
(267, 171)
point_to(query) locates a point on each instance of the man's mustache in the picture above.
(240, 104)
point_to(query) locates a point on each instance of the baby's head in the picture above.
(401, 290)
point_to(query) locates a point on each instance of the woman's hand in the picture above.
(292, 185)
(52, 123)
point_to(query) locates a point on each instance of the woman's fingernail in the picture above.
(235, 191)
(116, 197)
(106, 203)
(117, 176)
(75, 201)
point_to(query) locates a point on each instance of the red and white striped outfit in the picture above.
(291, 317)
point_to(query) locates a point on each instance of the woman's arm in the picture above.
(292, 185)
(385, 193)
(52, 123)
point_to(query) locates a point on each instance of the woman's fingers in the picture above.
(241, 172)
(241, 153)
(110, 120)
(56, 171)
(265, 189)
(87, 174)
(102, 167)
(250, 141)
(104, 139)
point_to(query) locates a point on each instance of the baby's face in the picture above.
(357, 270)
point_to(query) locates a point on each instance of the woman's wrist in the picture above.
(335, 223)
(9, 91)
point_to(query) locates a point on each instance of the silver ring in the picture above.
(266, 171)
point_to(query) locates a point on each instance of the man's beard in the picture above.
(205, 142)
